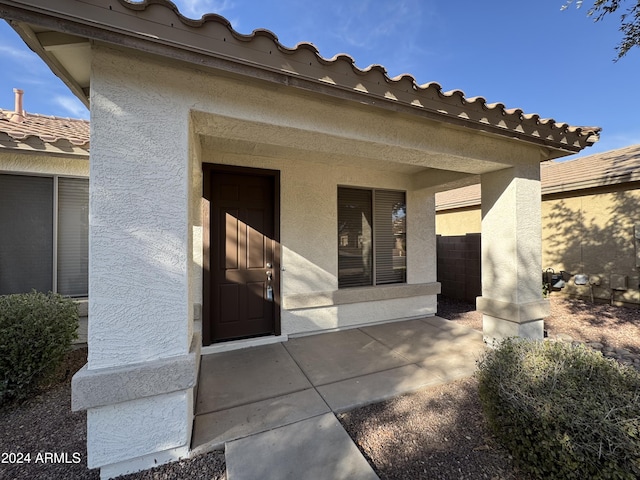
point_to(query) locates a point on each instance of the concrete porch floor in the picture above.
(262, 390)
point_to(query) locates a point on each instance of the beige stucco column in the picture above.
(137, 387)
(512, 302)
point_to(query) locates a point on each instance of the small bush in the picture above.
(36, 331)
(564, 412)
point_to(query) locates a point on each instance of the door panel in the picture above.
(242, 239)
(229, 255)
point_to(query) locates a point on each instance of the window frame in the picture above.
(55, 220)
(374, 275)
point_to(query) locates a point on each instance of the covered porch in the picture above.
(248, 391)
(195, 128)
(271, 407)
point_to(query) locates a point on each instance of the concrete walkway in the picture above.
(273, 406)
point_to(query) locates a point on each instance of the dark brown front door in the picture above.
(242, 278)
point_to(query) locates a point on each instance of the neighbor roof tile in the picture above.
(608, 168)
(34, 131)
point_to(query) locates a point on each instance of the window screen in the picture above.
(27, 247)
(371, 237)
(73, 236)
(390, 237)
(26, 234)
(355, 243)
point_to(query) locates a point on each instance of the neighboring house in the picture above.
(242, 189)
(44, 204)
(590, 224)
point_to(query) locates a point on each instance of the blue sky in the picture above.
(526, 54)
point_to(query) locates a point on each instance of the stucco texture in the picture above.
(594, 235)
(37, 164)
(123, 431)
(459, 222)
(155, 123)
(309, 240)
(139, 241)
(511, 221)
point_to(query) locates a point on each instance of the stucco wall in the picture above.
(31, 163)
(155, 125)
(459, 222)
(309, 240)
(139, 234)
(140, 240)
(594, 235)
(106, 443)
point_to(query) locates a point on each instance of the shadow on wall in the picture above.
(594, 235)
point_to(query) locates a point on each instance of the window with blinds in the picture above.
(30, 248)
(371, 237)
(73, 236)
(26, 234)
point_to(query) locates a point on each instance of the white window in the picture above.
(44, 234)
(371, 237)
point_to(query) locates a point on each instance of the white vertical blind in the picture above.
(26, 234)
(73, 236)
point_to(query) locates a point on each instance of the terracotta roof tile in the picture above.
(38, 132)
(458, 197)
(157, 26)
(213, 35)
(601, 169)
(607, 168)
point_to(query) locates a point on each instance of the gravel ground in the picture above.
(435, 433)
(46, 424)
(439, 432)
(616, 327)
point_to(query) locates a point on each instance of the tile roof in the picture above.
(304, 60)
(43, 133)
(598, 170)
(606, 168)
(158, 27)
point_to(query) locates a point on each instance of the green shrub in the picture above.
(36, 331)
(564, 412)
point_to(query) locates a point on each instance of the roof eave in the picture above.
(29, 37)
(34, 145)
(541, 134)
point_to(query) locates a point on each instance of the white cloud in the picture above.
(72, 105)
(16, 53)
(365, 24)
(197, 8)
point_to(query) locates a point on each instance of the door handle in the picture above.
(269, 275)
